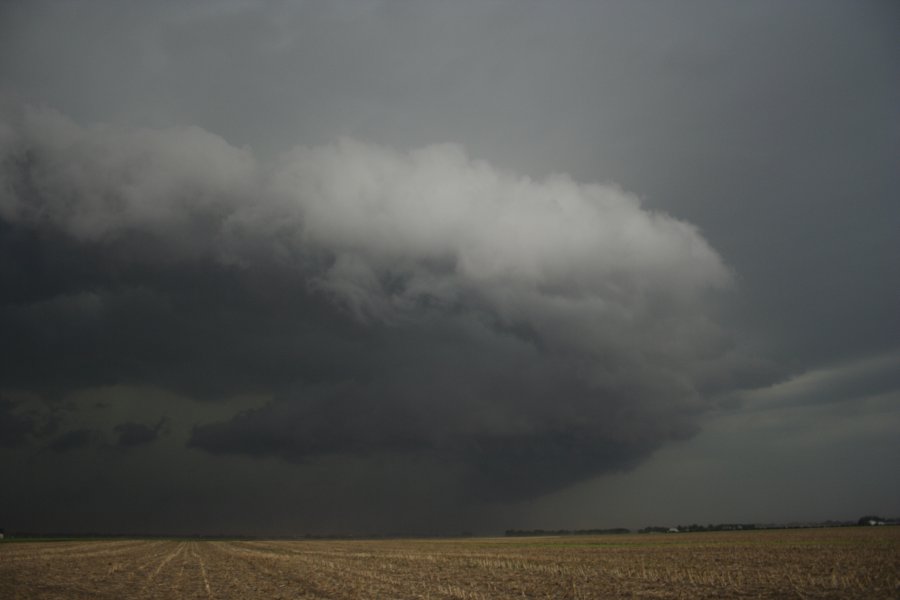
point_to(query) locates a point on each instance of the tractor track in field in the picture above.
(203, 573)
(274, 578)
(165, 561)
(72, 550)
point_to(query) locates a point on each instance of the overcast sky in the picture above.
(290, 267)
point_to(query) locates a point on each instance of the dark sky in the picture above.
(278, 268)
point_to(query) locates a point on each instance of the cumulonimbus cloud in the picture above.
(527, 332)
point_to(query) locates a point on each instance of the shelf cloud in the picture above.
(524, 333)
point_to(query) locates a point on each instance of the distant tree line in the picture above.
(696, 527)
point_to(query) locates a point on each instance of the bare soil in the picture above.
(810, 563)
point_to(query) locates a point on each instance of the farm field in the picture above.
(807, 563)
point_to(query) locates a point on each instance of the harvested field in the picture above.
(811, 563)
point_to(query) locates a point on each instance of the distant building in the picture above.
(673, 530)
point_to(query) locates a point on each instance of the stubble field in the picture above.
(811, 563)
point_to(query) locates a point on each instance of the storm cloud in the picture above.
(77, 439)
(137, 434)
(543, 330)
(370, 266)
(14, 427)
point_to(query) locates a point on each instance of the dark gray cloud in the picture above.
(14, 427)
(22, 422)
(77, 439)
(137, 434)
(379, 222)
(175, 326)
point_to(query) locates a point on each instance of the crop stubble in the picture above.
(814, 563)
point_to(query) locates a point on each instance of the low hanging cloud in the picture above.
(520, 334)
(132, 434)
(15, 428)
(76, 439)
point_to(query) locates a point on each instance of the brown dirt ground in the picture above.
(807, 563)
